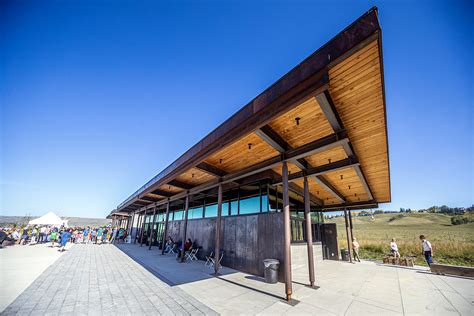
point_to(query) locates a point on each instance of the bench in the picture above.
(452, 270)
(403, 261)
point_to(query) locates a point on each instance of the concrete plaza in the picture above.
(129, 279)
(20, 266)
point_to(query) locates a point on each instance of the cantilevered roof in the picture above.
(326, 118)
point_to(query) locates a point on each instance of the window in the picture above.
(211, 210)
(234, 207)
(160, 217)
(195, 212)
(264, 203)
(225, 208)
(178, 215)
(250, 205)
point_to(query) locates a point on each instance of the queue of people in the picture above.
(60, 236)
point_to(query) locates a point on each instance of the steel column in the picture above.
(350, 224)
(286, 224)
(186, 208)
(139, 222)
(130, 231)
(143, 228)
(166, 228)
(349, 247)
(309, 231)
(218, 230)
(152, 229)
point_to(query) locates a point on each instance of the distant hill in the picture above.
(72, 221)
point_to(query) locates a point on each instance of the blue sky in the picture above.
(99, 96)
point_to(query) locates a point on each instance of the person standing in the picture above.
(53, 236)
(64, 239)
(427, 250)
(86, 235)
(355, 249)
(394, 248)
(113, 236)
(99, 235)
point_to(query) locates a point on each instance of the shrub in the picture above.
(391, 219)
(459, 220)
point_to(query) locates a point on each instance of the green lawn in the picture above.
(451, 244)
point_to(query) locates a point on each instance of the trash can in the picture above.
(271, 270)
(344, 254)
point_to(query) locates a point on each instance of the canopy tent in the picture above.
(47, 219)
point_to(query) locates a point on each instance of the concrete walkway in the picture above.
(345, 289)
(128, 279)
(102, 280)
(20, 266)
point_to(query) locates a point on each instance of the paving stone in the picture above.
(91, 280)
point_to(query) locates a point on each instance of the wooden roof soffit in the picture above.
(329, 109)
(272, 138)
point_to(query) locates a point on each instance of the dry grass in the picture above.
(451, 244)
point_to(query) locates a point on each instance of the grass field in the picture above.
(451, 244)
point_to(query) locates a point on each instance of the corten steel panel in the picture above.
(329, 240)
(246, 239)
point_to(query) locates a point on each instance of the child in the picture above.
(427, 250)
(53, 236)
(394, 249)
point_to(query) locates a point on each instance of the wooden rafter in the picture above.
(278, 143)
(329, 109)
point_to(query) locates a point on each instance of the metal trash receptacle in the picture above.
(271, 270)
(344, 255)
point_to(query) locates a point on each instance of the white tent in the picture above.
(47, 219)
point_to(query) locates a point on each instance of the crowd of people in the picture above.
(427, 249)
(60, 236)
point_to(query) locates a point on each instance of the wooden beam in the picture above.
(329, 109)
(325, 184)
(267, 134)
(162, 193)
(316, 171)
(293, 187)
(148, 198)
(210, 169)
(179, 184)
(350, 206)
(272, 138)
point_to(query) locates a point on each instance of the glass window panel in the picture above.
(250, 205)
(234, 206)
(264, 203)
(178, 215)
(211, 210)
(225, 208)
(195, 212)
